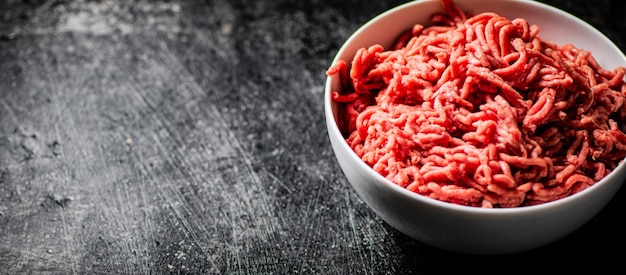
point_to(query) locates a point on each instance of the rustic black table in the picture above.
(189, 137)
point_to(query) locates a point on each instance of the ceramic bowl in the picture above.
(467, 229)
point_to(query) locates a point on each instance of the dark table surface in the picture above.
(189, 137)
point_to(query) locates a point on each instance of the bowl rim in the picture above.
(333, 128)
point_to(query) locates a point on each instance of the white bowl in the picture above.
(460, 228)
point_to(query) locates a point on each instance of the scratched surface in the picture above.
(188, 137)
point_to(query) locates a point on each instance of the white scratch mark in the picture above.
(66, 173)
(353, 227)
(278, 181)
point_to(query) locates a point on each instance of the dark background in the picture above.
(189, 137)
